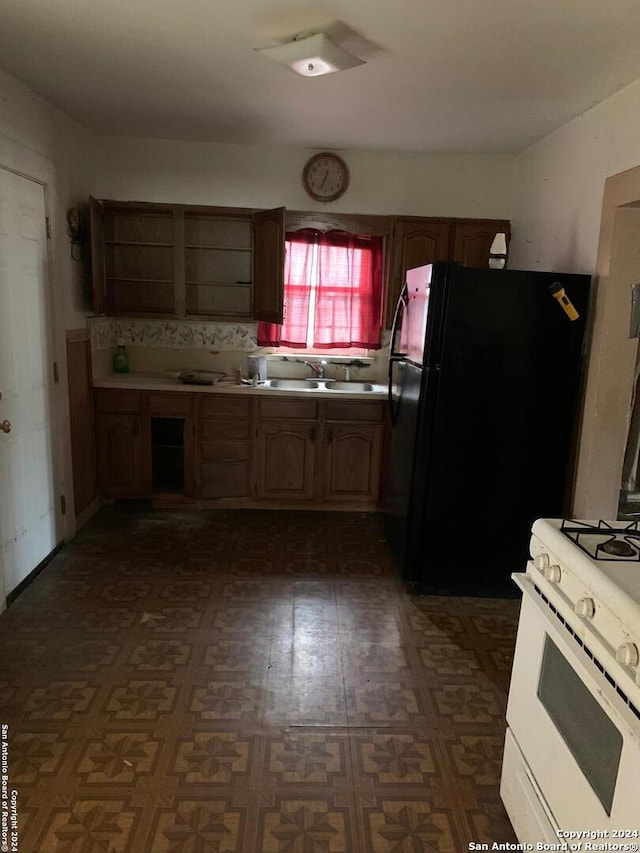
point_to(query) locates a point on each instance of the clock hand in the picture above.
(324, 180)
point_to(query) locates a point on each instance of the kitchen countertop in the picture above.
(162, 382)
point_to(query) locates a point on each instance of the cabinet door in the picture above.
(98, 274)
(352, 462)
(415, 242)
(120, 459)
(286, 460)
(268, 265)
(472, 241)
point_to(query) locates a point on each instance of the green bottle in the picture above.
(121, 359)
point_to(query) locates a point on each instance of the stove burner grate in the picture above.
(604, 540)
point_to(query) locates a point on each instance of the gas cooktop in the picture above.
(603, 558)
(605, 540)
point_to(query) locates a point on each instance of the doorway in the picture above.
(29, 524)
(623, 273)
(612, 357)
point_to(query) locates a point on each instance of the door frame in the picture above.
(612, 359)
(56, 401)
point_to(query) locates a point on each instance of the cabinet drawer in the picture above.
(225, 480)
(225, 451)
(224, 407)
(114, 400)
(349, 411)
(307, 409)
(170, 404)
(224, 430)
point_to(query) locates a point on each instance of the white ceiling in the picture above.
(440, 75)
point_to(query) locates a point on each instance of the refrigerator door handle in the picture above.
(398, 316)
(393, 406)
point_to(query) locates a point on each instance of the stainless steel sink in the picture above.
(318, 385)
(292, 384)
(356, 387)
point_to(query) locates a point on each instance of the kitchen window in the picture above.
(332, 292)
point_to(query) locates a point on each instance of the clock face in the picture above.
(325, 177)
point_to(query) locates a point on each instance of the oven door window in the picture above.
(594, 741)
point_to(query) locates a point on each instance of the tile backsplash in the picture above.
(174, 334)
(170, 345)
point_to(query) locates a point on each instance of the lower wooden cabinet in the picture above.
(224, 467)
(238, 451)
(331, 454)
(352, 462)
(121, 459)
(170, 424)
(286, 460)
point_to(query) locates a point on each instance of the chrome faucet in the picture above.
(318, 369)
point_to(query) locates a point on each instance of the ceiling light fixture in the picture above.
(312, 56)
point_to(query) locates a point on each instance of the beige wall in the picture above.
(556, 224)
(269, 176)
(560, 183)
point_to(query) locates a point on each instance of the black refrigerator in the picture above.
(484, 383)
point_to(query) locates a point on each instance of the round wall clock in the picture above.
(325, 176)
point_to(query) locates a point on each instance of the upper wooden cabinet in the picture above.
(196, 262)
(417, 241)
(191, 262)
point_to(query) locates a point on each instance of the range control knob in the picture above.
(552, 573)
(627, 654)
(541, 562)
(585, 607)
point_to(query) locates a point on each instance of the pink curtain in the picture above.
(348, 291)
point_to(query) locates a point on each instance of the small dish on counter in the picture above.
(199, 377)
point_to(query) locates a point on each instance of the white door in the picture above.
(28, 524)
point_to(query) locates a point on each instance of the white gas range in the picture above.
(572, 750)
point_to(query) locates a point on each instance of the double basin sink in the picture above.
(317, 385)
